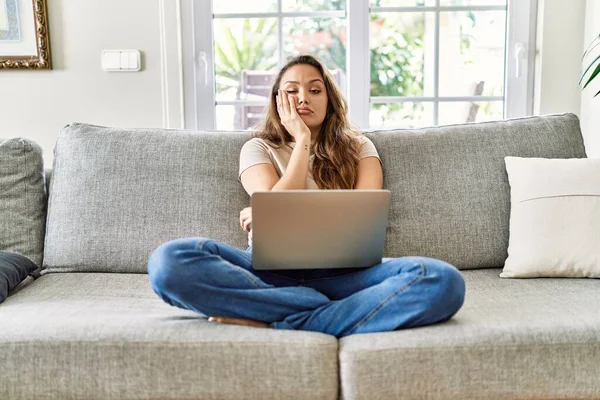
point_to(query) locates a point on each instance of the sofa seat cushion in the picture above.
(525, 339)
(108, 336)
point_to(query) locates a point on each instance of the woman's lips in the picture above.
(304, 111)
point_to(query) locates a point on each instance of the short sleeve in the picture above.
(254, 151)
(368, 149)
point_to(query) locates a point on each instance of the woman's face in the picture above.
(306, 84)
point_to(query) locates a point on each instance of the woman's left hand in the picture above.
(246, 219)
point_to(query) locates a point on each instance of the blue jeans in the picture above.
(215, 279)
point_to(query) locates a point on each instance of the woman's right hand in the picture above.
(246, 219)
(290, 119)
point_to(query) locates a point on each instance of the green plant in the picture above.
(397, 56)
(253, 49)
(595, 62)
(397, 66)
(397, 52)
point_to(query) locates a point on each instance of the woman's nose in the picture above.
(301, 99)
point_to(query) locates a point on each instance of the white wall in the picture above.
(564, 29)
(590, 107)
(557, 67)
(36, 104)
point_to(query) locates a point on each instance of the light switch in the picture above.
(124, 60)
(121, 60)
(134, 60)
(110, 61)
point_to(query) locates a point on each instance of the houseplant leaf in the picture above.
(588, 68)
(594, 74)
(594, 64)
(593, 45)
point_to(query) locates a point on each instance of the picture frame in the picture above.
(24, 35)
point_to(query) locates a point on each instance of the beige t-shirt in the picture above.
(260, 151)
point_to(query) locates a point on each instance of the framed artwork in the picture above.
(24, 36)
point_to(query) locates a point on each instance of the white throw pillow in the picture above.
(554, 218)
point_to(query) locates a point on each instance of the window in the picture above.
(400, 63)
(250, 46)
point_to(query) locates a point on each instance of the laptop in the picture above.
(318, 229)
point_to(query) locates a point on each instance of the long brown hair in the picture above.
(337, 149)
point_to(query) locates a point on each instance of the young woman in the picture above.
(305, 143)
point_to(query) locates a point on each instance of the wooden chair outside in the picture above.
(255, 85)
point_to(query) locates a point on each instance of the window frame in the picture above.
(199, 95)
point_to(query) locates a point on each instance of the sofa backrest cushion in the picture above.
(116, 194)
(450, 191)
(23, 198)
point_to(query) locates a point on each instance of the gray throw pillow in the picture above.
(14, 268)
(22, 198)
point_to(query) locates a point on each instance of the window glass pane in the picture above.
(473, 2)
(324, 38)
(401, 3)
(402, 54)
(243, 46)
(472, 46)
(239, 117)
(400, 115)
(313, 5)
(461, 112)
(243, 6)
(226, 118)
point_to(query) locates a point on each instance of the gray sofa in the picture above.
(89, 326)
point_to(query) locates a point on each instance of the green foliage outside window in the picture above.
(397, 59)
(254, 49)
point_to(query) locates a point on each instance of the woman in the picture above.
(305, 143)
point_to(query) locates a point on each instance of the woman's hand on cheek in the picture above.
(290, 119)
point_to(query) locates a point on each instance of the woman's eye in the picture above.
(315, 91)
(291, 91)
